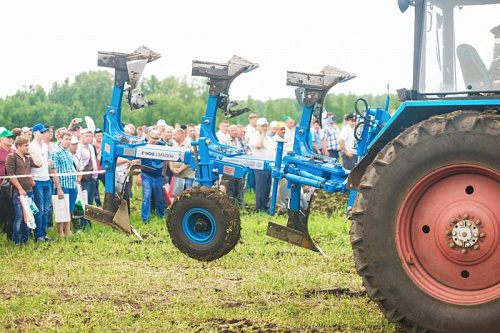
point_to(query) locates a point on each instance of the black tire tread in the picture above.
(466, 121)
(229, 210)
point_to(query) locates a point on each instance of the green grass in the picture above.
(102, 280)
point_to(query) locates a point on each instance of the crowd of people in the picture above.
(72, 164)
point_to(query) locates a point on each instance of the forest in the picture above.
(179, 100)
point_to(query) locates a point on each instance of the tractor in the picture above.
(426, 218)
(424, 194)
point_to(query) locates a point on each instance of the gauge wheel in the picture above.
(204, 223)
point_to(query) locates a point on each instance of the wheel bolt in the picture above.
(482, 235)
(476, 247)
(476, 234)
(466, 215)
(464, 251)
(447, 232)
(451, 245)
(478, 222)
(454, 233)
(467, 244)
(453, 220)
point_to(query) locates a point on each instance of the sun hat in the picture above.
(261, 121)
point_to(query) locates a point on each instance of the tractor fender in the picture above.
(409, 114)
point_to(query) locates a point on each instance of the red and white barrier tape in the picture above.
(58, 174)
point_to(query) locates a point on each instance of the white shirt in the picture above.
(347, 135)
(88, 152)
(222, 137)
(77, 160)
(287, 146)
(267, 151)
(289, 135)
(249, 130)
(41, 153)
(121, 172)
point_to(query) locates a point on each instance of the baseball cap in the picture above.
(39, 128)
(6, 134)
(75, 128)
(98, 130)
(161, 122)
(261, 121)
(26, 129)
(280, 124)
(351, 115)
(126, 129)
(74, 140)
(85, 130)
(273, 124)
(286, 118)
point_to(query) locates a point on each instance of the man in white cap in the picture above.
(272, 128)
(27, 132)
(76, 156)
(89, 162)
(127, 130)
(347, 142)
(263, 148)
(160, 125)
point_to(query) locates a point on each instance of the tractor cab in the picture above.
(453, 56)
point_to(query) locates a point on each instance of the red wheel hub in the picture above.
(448, 233)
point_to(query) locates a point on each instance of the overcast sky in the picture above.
(48, 41)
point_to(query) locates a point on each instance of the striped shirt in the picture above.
(330, 135)
(233, 143)
(63, 162)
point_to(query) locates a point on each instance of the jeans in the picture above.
(50, 219)
(263, 181)
(97, 196)
(334, 153)
(20, 232)
(152, 185)
(89, 186)
(188, 183)
(42, 192)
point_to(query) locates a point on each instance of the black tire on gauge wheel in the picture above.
(204, 223)
(426, 225)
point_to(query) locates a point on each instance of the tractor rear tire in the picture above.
(204, 223)
(438, 176)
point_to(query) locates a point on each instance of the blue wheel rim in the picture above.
(199, 216)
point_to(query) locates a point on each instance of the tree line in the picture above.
(179, 100)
